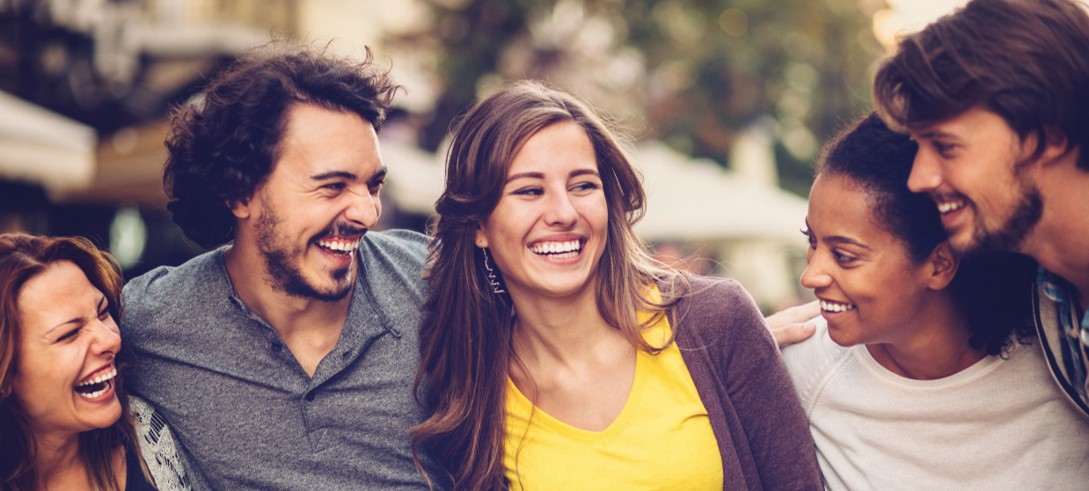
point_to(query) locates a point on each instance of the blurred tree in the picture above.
(691, 72)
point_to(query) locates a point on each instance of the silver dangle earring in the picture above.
(493, 280)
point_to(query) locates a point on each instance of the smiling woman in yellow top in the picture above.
(557, 355)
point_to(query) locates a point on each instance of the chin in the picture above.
(963, 245)
(106, 419)
(842, 338)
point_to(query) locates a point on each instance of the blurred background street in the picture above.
(724, 105)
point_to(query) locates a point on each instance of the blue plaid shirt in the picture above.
(1074, 337)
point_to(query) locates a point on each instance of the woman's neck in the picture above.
(557, 329)
(937, 347)
(58, 464)
(571, 363)
(926, 365)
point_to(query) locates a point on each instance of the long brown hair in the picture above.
(465, 339)
(23, 257)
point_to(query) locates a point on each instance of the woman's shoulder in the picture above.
(157, 446)
(710, 290)
(714, 310)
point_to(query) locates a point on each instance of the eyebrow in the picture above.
(80, 319)
(839, 239)
(540, 175)
(930, 134)
(340, 174)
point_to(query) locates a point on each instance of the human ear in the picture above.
(240, 208)
(1055, 147)
(1051, 149)
(481, 240)
(943, 264)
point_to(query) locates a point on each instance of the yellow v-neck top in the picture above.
(661, 439)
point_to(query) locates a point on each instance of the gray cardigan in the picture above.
(763, 436)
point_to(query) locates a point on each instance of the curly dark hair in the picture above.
(993, 289)
(223, 144)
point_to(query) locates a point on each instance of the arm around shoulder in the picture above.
(158, 447)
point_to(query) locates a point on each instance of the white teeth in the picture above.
(948, 206)
(556, 247)
(339, 245)
(835, 307)
(92, 395)
(104, 378)
(99, 379)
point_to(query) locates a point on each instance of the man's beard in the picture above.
(1017, 227)
(286, 275)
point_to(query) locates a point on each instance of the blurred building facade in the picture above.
(100, 76)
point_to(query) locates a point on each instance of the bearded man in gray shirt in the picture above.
(284, 359)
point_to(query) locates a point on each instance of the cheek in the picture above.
(32, 383)
(596, 212)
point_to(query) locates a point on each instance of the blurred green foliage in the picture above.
(690, 72)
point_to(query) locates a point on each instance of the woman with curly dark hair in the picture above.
(556, 354)
(922, 374)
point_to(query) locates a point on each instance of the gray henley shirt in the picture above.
(245, 413)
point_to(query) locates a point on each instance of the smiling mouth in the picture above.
(339, 245)
(835, 307)
(96, 386)
(559, 250)
(949, 205)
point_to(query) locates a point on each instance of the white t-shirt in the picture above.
(998, 424)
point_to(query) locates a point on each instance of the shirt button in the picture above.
(309, 397)
(277, 347)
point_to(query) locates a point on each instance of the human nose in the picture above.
(925, 173)
(814, 275)
(561, 211)
(107, 338)
(364, 209)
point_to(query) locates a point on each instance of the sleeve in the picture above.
(158, 448)
(807, 363)
(759, 401)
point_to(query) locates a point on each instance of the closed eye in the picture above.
(69, 335)
(943, 148)
(843, 259)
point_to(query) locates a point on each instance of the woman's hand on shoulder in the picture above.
(793, 324)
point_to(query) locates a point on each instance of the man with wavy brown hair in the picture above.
(997, 96)
(284, 356)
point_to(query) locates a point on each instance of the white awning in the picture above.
(696, 199)
(40, 146)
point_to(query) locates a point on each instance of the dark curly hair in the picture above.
(993, 289)
(223, 144)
